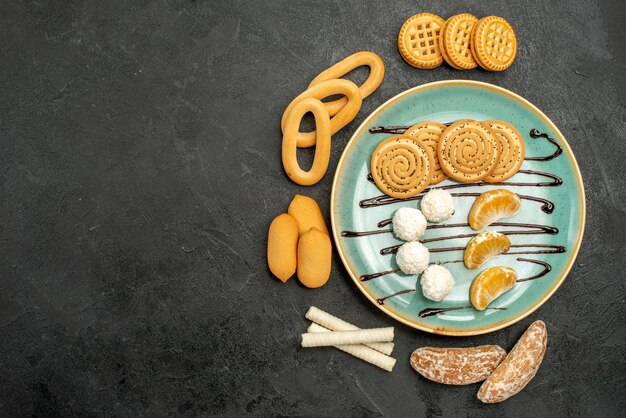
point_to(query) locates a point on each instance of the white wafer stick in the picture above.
(335, 324)
(324, 339)
(360, 351)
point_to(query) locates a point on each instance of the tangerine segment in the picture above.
(490, 284)
(485, 246)
(491, 206)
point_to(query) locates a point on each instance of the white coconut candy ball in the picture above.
(408, 224)
(412, 257)
(437, 205)
(437, 282)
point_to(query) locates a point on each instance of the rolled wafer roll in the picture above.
(362, 336)
(333, 323)
(360, 351)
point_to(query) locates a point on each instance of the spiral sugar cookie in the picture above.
(363, 58)
(494, 44)
(455, 41)
(418, 40)
(401, 167)
(467, 151)
(511, 150)
(428, 133)
(322, 145)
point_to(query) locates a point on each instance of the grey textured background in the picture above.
(141, 169)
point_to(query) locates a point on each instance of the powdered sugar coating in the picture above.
(437, 282)
(437, 205)
(408, 224)
(412, 257)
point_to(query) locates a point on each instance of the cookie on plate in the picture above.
(467, 151)
(401, 167)
(429, 133)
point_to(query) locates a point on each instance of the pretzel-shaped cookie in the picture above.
(366, 58)
(320, 91)
(322, 146)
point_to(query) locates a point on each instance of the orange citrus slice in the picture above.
(484, 246)
(491, 206)
(490, 284)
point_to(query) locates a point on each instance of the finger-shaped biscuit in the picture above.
(367, 58)
(322, 145)
(314, 258)
(282, 243)
(467, 151)
(307, 214)
(338, 121)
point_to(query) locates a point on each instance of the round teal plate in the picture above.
(545, 234)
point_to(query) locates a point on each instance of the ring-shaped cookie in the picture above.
(320, 91)
(467, 151)
(322, 145)
(511, 150)
(401, 167)
(363, 58)
(429, 133)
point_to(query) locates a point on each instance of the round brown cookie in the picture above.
(455, 41)
(494, 44)
(401, 167)
(418, 40)
(429, 133)
(511, 150)
(467, 151)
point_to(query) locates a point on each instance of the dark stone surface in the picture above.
(141, 169)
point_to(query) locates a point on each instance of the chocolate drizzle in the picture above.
(542, 229)
(352, 234)
(386, 222)
(546, 269)
(534, 133)
(381, 301)
(367, 277)
(546, 205)
(556, 181)
(436, 311)
(554, 249)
